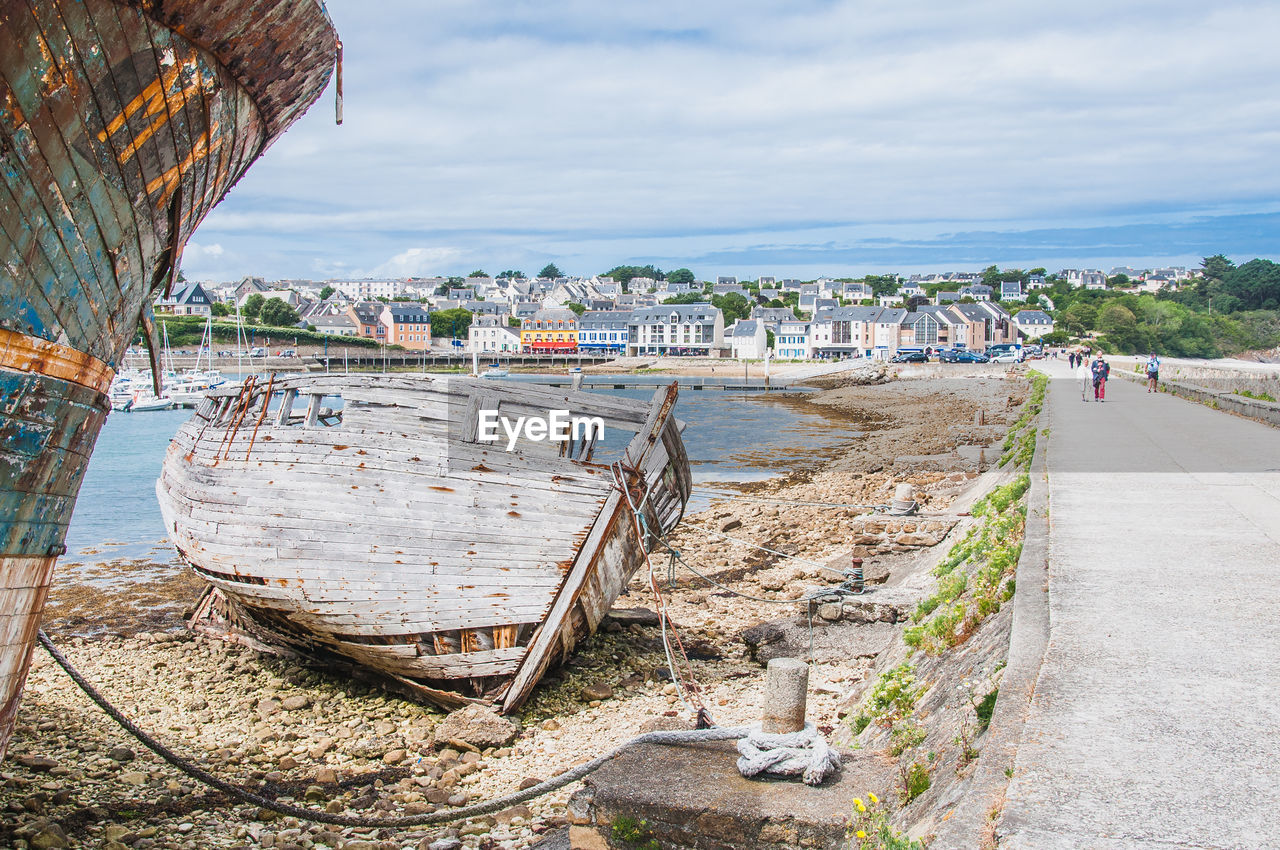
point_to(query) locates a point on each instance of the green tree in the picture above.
(453, 280)
(768, 338)
(1118, 281)
(682, 276)
(1120, 327)
(512, 274)
(551, 270)
(1256, 284)
(1217, 267)
(882, 284)
(325, 292)
(733, 305)
(1079, 318)
(578, 309)
(220, 309)
(991, 276)
(623, 274)
(277, 313)
(513, 322)
(252, 306)
(450, 324)
(479, 273)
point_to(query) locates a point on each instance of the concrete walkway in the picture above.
(1156, 717)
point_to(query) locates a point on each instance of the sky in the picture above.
(794, 138)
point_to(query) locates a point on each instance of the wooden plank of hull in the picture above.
(556, 636)
(108, 165)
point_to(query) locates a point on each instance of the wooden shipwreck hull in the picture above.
(389, 534)
(121, 125)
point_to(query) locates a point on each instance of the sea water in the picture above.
(730, 437)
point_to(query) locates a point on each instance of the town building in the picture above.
(678, 329)
(190, 300)
(792, 340)
(550, 331)
(845, 331)
(407, 325)
(1033, 324)
(492, 335)
(603, 331)
(1011, 290)
(747, 339)
(365, 315)
(333, 324)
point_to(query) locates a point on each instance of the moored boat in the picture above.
(417, 526)
(121, 125)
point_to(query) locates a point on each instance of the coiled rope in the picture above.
(302, 813)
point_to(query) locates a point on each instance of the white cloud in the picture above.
(416, 262)
(565, 129)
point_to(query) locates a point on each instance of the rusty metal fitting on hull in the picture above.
(24, 353)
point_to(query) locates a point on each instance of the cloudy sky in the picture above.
(792, 138)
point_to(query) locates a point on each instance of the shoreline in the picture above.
(228, 707)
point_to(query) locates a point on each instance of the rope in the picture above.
(676, 556)
(449, 815)
(686, 685)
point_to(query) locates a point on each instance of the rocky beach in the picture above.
(293, 733)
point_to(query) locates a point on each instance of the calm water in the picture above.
(731, 437)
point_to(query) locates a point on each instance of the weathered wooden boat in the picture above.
(121, 124)
(390, 534)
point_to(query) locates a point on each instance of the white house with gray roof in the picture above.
(747, 339)
(675, 329)
(1033, 324)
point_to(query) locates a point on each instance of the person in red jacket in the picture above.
(1101, 371)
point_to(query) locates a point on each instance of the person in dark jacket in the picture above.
(1101, 371)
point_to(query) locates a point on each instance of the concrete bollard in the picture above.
(785, 693)
(576, 381)
(903, 493)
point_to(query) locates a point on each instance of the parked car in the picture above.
(910, 357)
(948, 355)
(1007, 357)
(968, 357)
(257, 352)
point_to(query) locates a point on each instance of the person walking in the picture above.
(1085, 376)
(1101, 371)
(1153, 372)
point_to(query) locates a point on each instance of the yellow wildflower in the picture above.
(874, 799)
(859, 805)
(860, 834)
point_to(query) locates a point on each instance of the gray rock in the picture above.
(121, 754)
(295, 702)
(479, 726)
(444, 844)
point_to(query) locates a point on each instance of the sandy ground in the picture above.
(295, 732)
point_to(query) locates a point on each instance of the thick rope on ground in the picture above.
(805, 753)
(302, 813)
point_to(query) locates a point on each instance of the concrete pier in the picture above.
(1154, 721)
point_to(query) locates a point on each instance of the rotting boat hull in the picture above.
(390, 538)
(121, 125)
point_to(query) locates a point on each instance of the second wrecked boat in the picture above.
(390, 530)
